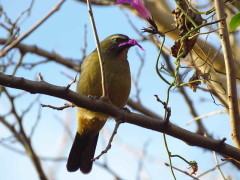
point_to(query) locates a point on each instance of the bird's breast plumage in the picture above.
(118, 84)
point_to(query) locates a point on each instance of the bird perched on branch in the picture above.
(118, 84)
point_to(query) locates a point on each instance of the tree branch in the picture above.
(230, 73)
(100, 56)
(132, 118)
(50, 55)
(68, 62)
(16, 41)
(140, 108)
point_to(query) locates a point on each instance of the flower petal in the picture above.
(123, 1)
(141, 9)
(139, 6)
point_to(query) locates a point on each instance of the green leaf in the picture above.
(235, 22)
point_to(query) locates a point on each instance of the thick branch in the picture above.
(132, 118)
(68, 62)
(140, 108)
(230, 73)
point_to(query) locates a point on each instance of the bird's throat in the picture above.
(123, 54)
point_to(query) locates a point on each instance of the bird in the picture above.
(118, 85)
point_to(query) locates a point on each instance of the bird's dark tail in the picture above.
(82, 153)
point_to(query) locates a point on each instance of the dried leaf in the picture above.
(184, 25)
(188, 44)
(194, 85)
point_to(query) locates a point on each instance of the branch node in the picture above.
(40, 76)
(222, 141)
(228, 159)
(167, 109)
(118, 122)
(69, 85)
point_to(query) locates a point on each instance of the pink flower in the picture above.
(132, 42)
(139, 6)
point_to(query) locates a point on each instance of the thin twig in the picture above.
(36, 122)
(18, 40)
(73, 81)
(182, 171)
(217, 165)
(30, 106)
(136, 80)
(60, 159)
(58, 108)
(118, 122)
(142, 159)
(101, 60)
(167, 109)
(18, 63)
(206, 115)
(51, 56)
(197, 34)
(85, 44)
(65, 125)
(24, 139)
(40, 77)
(212, 169)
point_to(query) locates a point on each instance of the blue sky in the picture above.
(63, 33)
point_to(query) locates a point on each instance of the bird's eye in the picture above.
(118, 40)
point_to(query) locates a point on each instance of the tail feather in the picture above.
(76, 151)
(82, 153)
(88, 154)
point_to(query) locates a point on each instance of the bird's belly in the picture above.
(90, 122)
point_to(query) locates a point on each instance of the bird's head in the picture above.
(115, 45)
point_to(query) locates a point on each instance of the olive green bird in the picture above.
(118, 85)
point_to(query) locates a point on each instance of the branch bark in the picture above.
(132, 118)
(230, 73)
(140, 108)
